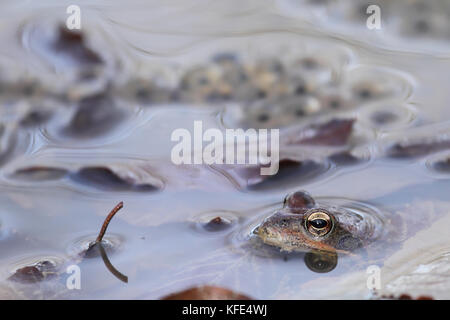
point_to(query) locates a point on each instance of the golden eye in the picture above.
(319, 223)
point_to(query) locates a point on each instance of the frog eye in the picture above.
(319, 223)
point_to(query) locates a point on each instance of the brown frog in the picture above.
(303, 225)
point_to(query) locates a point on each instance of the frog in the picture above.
(303, 225)
(320, 232)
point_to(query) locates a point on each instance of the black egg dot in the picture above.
(335, 104)
(422, 26)
(383, 117)
(263, 117)
(29, 90)
(299, 112)
(309, 64)
(142, 94)
(203, 81)
(261, 94)
(365, 94)
(226, 96)
(300, 90)
(318, 223)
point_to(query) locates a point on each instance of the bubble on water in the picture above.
(215, 221)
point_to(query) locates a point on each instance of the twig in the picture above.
(107, 220)
(109, 265)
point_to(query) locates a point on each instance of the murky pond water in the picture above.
(87, 118)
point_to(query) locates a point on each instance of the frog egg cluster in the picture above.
(409, 19)
(308, 87)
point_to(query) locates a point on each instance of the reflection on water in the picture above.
(321, 262)
(86, 119)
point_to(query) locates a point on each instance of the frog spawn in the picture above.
(274, 93)
(412, 21)
(344, 94)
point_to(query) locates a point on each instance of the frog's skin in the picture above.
(287, 229)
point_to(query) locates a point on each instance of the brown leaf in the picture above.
(73, 45)
(38, 173)
(95, 115)
(40, 271)
(206, 293)
(118, 178)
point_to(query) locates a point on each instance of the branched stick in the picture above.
(107, 220)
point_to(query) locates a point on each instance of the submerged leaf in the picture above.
(117, 177)
(207, 293)
(38, 272)
(95, 115)
(38, 173)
